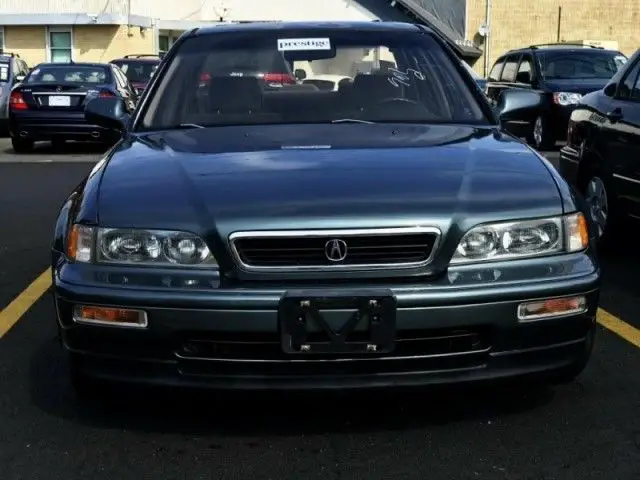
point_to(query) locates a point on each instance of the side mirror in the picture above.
(610, 90)
(107, 112)
(300, 74)
(518, 105)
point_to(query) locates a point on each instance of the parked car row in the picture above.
(589, 97)
(48, 101)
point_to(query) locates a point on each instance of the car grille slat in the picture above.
(294, 250)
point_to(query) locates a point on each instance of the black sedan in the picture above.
(385, 234)
(602, 155)
(49, 104)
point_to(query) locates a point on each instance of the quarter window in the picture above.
(60, 45)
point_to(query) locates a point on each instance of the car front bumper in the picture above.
(458, 329)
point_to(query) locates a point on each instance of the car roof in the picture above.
(136, 59)
(324, 25)
(554, 47)
(70, 64)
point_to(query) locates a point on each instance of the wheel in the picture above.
(21, 145)
(602, 206)
(541, 136)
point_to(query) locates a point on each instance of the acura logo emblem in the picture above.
(59, 89)
(335, 250)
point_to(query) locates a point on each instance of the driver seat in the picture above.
(368, 90)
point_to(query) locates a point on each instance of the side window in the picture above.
(629, 89)
(120, 78)
(510, 67)
(496, 70)
(524, 70)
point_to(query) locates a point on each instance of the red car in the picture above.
(138, 68)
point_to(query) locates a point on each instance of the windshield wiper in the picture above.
(352, 120)
(189, 125)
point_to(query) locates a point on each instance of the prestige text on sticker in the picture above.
(288, 44)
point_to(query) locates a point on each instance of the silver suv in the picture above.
(12, 71)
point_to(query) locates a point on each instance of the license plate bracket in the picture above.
(301, 309)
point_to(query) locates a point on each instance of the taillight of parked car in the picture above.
(16, 101)
(106, 93)
(282, 78)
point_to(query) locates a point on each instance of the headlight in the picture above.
(529, 238)
(565, 98)
(138, 247)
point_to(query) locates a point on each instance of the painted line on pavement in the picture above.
(23, 302)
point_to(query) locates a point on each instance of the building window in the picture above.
(1, 39)
(163, 43)
(60, 44)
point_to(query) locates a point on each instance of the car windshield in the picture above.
(69, 74)
(5, 67)
(137, 71)
(601, 64)
(263, 77)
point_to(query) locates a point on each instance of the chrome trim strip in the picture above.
(333, 360)
(339, 233)
(627, 179)
(59, 94)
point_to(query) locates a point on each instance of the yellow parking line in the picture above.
(623, 329)
(23, 302)
(19, 306)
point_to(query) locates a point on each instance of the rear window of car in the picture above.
(80, 74)
(5, 70)
(266, 77)
(583, 64)
(137, 71)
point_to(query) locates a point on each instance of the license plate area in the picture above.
(59, 101)
(337, 322)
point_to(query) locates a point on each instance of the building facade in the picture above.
(479, 30)
(101, 30)
(517, 23)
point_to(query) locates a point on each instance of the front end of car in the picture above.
(329, 308)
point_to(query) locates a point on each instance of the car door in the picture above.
(620, 137)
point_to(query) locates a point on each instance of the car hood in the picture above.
(577, 85)
(323, 176)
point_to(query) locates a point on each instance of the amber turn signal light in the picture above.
(118, 317)
(552, 307)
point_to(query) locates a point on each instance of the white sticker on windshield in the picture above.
(289, 44)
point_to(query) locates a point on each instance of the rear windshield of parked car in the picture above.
(601, 64)
(69, 74)
(242, 78)
(5, 68)
(137, 71)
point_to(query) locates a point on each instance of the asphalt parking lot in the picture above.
(589, 429)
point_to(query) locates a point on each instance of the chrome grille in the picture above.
(334, 249)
